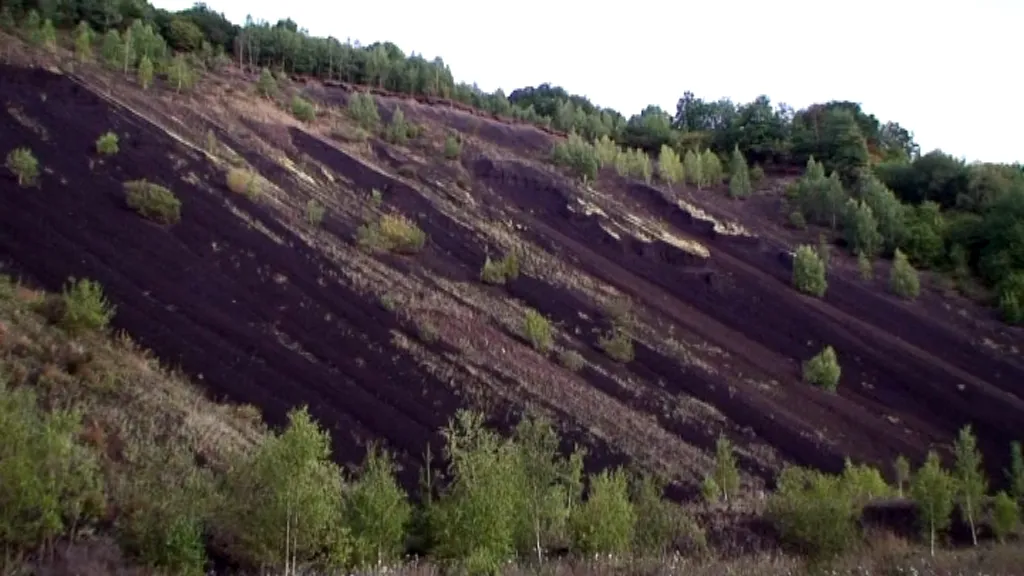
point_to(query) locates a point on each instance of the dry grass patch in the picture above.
(392, 233)
(243, 182)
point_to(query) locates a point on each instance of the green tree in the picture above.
(83, 41)
(267, 85)
(47, 480)
(607, 150)
(813, 512)
(902, 469)
(546, 496)
(606, 522)
(1005, 516)
(303, 109)
(376, 512)
(112, 48)
(693, 169)
(398, 130)
(145, 72)
(710, 168)
(933, 490)
(809, 272)
(1015, 475)
(85, 307)
(971, 483)
(903, 279)
(865, 267)
(475, 519)
(739, 175)
(578, 155)
(298, 489)
(363, 109)
(726, 473)
(6, 19)
(670, 167)
(452, 147)
(180, 74)
(659, 522)
(107, 144)
(48, 36)
(887, 211)
(32, 26)
(861, 229)
(823, 370)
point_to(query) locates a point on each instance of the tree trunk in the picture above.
(536, 533)
(970, 520)
(931, 532)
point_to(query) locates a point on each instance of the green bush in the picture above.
(48, 482)
(107, 144)
(452, 147)
(813, 513)
(537, 330)
(796, 220)
(606, 522)
(376, 512)
(500, 271)
(243, 182)
(285, 496)
(24, 165)
(903, 280)
(392, 233)
(756, 174)
(399, 130)
(363, 109)
(85, 307)
(809, 272)
(153, 201)
(1011, 298)
(577, 154)
(303, 109)
(823, 370)
(266, 85)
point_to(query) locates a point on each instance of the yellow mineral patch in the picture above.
(727, 228)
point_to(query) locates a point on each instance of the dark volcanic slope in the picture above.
(212, 293)
(261, 313)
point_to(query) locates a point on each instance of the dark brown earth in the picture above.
(264, 309)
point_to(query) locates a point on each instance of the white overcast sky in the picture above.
(948, 71)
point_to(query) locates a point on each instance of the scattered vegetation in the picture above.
(363, 108)
(739, 175)
(571, 360)
(823, 370)
(243, 182)
(452, 146)
(303, 109)
(809, 272)
(314, 212)
(23, 164)
(500, 271)
(85, 307)
(537, 330)
(617, 344)
(578, 155)
(266, 86)
(153, 201)
(903, 279)
(107, 144)
(392, 233)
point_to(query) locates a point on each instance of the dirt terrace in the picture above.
(266, 310)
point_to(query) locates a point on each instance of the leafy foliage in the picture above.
(1005, 516)
(303, 109)
(452, 147)
(363, 108)
(971, 484)
(809, 272)
(299, 490)
(266, 86)
(23, 164)
(537, 330)
(606, 522)
(903, 279)
(107, 144)
(500, 271)
(376, 512)
(813, 512)
(85, 307)
(933, 490)
(739, 175)
(577, 154)
(618, 345)
(823, 370)
(392, 233)
(153, 201)
(47, 480)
